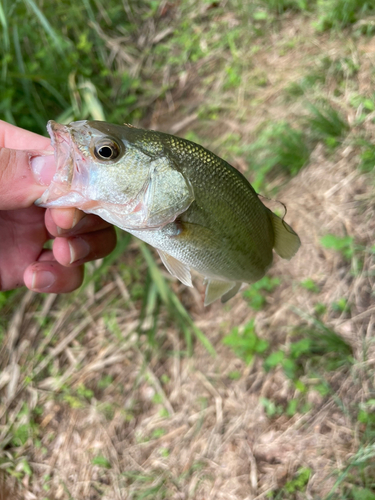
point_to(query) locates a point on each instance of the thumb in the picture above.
(24, 176)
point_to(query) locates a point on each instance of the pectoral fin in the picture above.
(168, 194)
(176, 268)
(217, 288)
(287, 241)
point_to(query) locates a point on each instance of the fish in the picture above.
(194, 208)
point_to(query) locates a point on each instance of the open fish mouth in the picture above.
(60, 192)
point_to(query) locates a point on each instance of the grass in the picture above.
(327, 124)
(278, 149)
(34, 92)
(341, 13)
(131, 366)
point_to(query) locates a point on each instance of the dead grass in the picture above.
(169, 426)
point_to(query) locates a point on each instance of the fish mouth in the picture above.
(61, 141)
(60, 193)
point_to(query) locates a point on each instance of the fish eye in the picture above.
(107, 150)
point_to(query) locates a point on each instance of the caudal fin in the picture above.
(287, 241)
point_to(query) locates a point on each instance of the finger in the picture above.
(21, 183)
(86, 223)
(90, 246)
(22, 236)
(17, 138)
(48, 276)
(66, 218)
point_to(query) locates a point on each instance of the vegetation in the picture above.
(131, 365)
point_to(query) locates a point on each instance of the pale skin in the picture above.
(25, 171)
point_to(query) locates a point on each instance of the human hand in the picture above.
(25, 228)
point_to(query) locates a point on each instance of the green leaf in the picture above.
(342, 244)
(101, 461)
(273, 360)
(310, 285)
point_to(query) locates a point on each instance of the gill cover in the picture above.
(133, 192)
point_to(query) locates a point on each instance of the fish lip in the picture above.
(65, 153)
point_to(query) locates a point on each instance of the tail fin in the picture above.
(287, 241)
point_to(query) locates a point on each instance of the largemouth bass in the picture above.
(198, 211)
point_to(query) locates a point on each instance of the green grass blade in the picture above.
(90, 98)
(156, 275)
(171, 300)
(6, 40)
(46, 25)
(21, 66)
(59, 97)
(327, 122)
(186, 318)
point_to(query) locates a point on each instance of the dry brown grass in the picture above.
(179, 424)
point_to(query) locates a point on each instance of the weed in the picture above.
(367, 155)
(328, 349)
(278, 149)
(341, 305)
(169, 298)
(360, 473)
(254, 294)
(101, 462)
(271, 409)
(233, 77)
(105, 381)
(352, 252)
(366, 414)
(245, 343)
(147, 486)
(342, 244)
(310, 285)
(320, 349)
(235, 375)
(33, 91)
(341, 13)
(299, 482)
(320, 308)
(280, 6)
(326, 124)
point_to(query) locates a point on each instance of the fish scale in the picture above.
(198, 211)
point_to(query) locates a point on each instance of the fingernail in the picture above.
(79, 249)
(78, 215)
(61, 231)
(43, 168)
(42, 280)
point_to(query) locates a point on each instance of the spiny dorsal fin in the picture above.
(287, 241)
(176, 268)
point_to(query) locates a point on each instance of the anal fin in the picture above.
(176, 268)
(231, 293)
(218, 288)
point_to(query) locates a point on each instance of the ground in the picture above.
(111, 393)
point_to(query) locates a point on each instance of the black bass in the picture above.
(198, 211)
